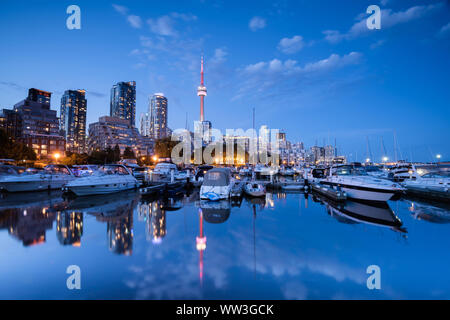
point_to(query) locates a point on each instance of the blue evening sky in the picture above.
(310, 68)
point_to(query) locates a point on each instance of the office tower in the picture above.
(37, 125)
(123, 101)
(73, 120)
(144, 124)
(158, 116)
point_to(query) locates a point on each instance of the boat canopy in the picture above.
(217, 177)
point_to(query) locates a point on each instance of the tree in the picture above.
(164, 146)
(14, 150)
(116, 153)
(128, 153)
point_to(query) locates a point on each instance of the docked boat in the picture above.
(261, 170)
(254, 189)
(107, 179)
(433, 186)
(358, 185)
(217, 184)
(54, 176)
(401, 172)
(286, 171)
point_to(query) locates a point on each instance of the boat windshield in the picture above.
(56, 170)
(113, 170)
(350, 171)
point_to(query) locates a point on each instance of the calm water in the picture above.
(287, 246)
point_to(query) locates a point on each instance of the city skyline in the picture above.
(315, 81)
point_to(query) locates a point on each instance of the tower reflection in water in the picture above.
(69, 228)
(154, 216)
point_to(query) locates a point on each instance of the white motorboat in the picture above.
(54, 176)
(265, 170)
(401, 172)
(217, 184)
(432, 184)
(254, 189)
(358, 185)
(286, 171)
(107, 179)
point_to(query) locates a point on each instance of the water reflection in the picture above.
(69, 228)
(430, 212)
(273, 247)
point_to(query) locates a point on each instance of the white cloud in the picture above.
(135, 21)
(291, 45)
(163, 26)
(445, 30)
(257, 23)
(388, 20)
(120, 9)
(220, 55)
(184, 16)
(291, 66)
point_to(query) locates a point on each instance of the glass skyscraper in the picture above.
(73, 120)
(158, 116)
(123, 101)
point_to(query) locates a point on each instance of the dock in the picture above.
(429, 194)
(336, 195)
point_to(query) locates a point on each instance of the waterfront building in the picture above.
(330, 153)
(33, 123)
(144, 124)
(73, 120)
(203, 129)
(158, 116)
(112, 131)
(123, 101)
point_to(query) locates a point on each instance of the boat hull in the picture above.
(29, 186)
(101, 188)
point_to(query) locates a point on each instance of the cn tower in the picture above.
(201, 92)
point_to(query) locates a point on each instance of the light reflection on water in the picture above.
(286, 246)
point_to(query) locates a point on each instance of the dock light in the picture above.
(155, 158)
(385, 159)
(438, 156)
(367, 160)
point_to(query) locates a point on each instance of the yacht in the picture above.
(217, 184)
(433, 184)
(107, 179)
(261, 170)
(358, 185)
(401, 172)
(286, 171)
(54, 176)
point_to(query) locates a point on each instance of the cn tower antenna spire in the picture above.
(201, 91)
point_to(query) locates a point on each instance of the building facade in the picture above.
(158, 116)
(144, 124)
(33, 123)
(112, 131)
(123, 101)
(73, 120)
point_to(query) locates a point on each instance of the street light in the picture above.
(438, 156)
(155, 158)
(56, 156)
(385, 159)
